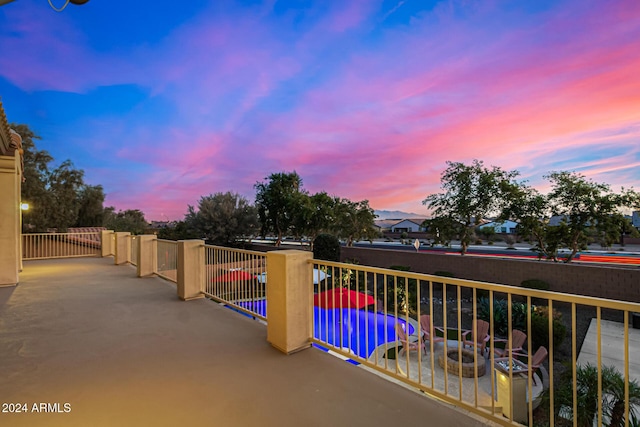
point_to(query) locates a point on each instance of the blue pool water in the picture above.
(359, 330)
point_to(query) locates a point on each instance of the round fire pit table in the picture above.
(453, 364)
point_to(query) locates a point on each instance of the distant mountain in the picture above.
(397, 215)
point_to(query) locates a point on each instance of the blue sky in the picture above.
(163, 102)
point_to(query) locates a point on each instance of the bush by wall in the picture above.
(326, 247)
(535, 284)
(501, 315)
(540, 328)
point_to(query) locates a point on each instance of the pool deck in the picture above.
(124, 351)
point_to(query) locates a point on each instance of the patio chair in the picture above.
(536, 360)
(517, 341)
(480, 337)
(425, 325)
(406, 344)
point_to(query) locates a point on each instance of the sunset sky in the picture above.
(163, 102)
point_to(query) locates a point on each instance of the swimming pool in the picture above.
(360, 331)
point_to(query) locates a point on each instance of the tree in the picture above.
(34, 184)
(585, 205)
(354, 221)
(584, 209)
(443, 229)
(90, 210)
(531, 210)
(180, 231)
(131, 220)
(64, 184)
(489, 233)
(472, 192)
(278, 202)
(222, 218)
(320, 217)
(56, 196)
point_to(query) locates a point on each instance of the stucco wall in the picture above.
(621, 283)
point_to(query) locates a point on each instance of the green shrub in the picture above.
(482, 293)
(519, 316)
(509, 240)
(326, 247)
(611, 384)
(501, 315)
(391, 353)
(540, 328)
(401, 291)
(350, 277)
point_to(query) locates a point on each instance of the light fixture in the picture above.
(66, 3)
(24, 206)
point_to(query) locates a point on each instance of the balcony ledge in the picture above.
(126, 351)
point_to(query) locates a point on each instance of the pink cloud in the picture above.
(360, 117)
(514, 111)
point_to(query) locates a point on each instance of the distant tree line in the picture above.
(282, 208)
(585, 209)
(59, 198)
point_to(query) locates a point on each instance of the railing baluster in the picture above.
(599, 357)
(574, 367)
(60, 245)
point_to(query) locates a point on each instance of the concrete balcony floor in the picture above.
(124, 351)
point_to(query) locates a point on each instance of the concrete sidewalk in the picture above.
(123, 351)
(612, 338)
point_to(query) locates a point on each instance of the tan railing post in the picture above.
(123, 247)
(289, 299)
(129, 244)
(105, 242)
(190, 269)
(147, 255)
(10, 220)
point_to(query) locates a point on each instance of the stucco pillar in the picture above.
(106, 242)
(10, 214)
(147, 255)
(289, 300)
(190, 269)
(123, 247)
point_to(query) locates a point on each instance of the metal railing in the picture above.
(135, 241)
(60, 245)
(365, 320)
(237, 278)
(167, 259)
